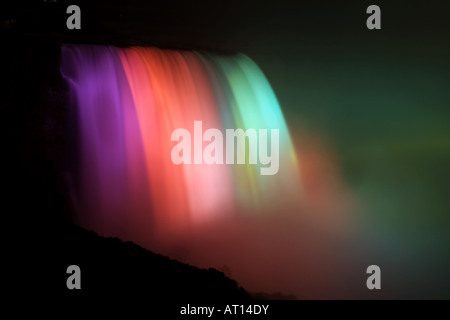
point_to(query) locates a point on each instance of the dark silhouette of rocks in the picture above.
(111, 267)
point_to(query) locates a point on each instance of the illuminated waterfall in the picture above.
(127, 103)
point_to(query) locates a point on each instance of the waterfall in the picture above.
(127, 102)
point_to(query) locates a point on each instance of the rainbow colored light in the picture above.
(128, 101)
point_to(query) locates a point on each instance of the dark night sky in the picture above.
(232, 25)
